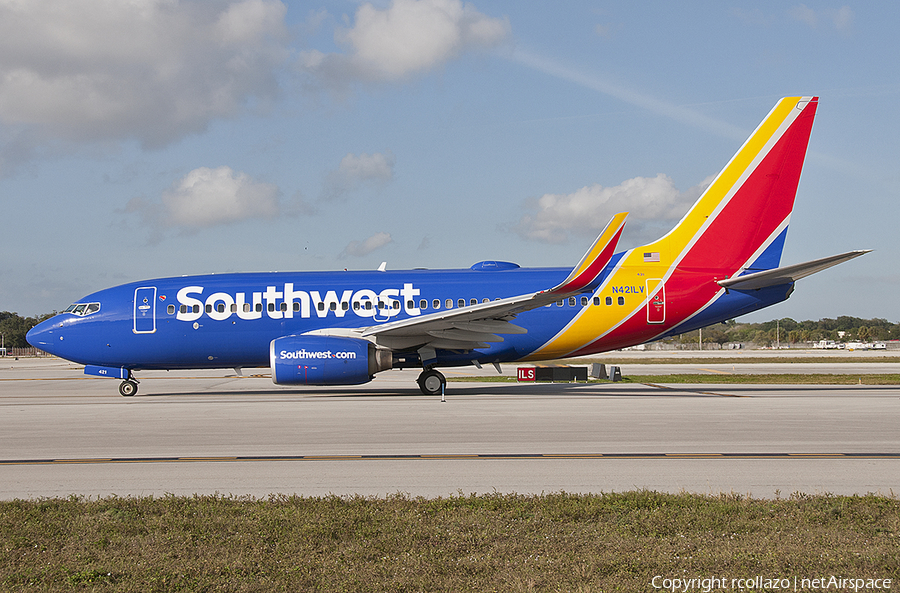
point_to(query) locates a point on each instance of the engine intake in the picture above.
(325, 360)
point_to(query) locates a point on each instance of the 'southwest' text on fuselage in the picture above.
(288, 303)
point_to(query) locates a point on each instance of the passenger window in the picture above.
(596, 301)
(183, 308)
(410, 304)
(259, 307)
(208, 308)
(171, 309)
(608, 301)
(234, 307)
(333, 306)
(571, 301)
(621, 300)
(461, 302)
(220, 307)
(473, 301)
(485, 300)
(246, 307)
(396, 305)
(559, 303)
(356, 305)
(449, 303)
(296, 306)
(423, 304)
(271, 307)
(368, 305)
(196, 308)
(320, 306)
(584, 301)
(436, 303)
(345, 305)
(284, 306)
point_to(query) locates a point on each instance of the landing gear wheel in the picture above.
(128, 388)
(431, 382)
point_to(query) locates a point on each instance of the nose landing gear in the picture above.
(129, 386)
(431, 382)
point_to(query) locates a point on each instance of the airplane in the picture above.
(341, 328)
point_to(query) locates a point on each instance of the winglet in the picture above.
(596, 258)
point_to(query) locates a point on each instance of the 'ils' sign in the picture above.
(526, 373)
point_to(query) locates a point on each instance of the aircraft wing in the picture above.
(788, 274)
(476, 326)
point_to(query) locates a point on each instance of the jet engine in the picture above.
(325, 360)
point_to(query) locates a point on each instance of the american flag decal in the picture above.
(651, 256)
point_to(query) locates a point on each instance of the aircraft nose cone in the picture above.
(42, 335)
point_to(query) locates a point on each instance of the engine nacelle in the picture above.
(325, 360)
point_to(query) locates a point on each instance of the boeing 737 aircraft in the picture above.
(341, 328)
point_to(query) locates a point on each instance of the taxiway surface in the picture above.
(62, 433)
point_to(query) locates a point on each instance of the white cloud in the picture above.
(602, 30)
(408, 37)
(652, 202)
(354, 170)
(208, 197)
(805, 14)
(368, 166)
(152, 70)
(841, 19)
(367, 246)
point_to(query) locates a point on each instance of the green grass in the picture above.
(769, 379)
(497, 542)
(728, 378)
(749, 359)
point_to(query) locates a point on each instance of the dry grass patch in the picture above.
(498, 542)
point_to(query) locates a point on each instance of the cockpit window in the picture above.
(82, 309)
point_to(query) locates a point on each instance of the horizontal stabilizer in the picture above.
(788, 274)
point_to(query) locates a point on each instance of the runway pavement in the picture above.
(62, 433)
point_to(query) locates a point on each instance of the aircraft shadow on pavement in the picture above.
(461, 389)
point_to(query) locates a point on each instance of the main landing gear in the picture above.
(431, 382)
(128, 387)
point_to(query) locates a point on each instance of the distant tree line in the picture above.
(13, 327)
(788, 331)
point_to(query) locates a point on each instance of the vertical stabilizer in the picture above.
(741, 219)
(736, 227)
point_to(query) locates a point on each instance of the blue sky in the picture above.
(161, 138)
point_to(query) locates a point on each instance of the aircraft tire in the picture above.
(127, 388)
(431, 382)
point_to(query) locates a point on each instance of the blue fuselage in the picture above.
(229, 320)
